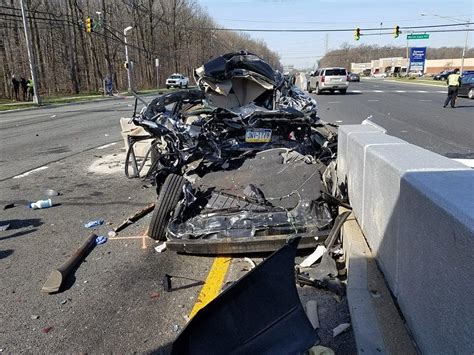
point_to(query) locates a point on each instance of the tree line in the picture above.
(347, 54)
(180, 33)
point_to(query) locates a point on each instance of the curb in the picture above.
(64, 104)
(377, 324)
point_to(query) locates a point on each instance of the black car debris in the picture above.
(241, 163)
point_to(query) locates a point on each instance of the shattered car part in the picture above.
(260, 313)
(243, 105)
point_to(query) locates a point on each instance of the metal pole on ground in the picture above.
(31, 57)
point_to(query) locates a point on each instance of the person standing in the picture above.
(24, 88)
(16, 87)
(454, 81)
(31, 90)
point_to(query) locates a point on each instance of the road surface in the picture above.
(411, 112)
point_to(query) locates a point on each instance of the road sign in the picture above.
(417, 59)
(418, 36)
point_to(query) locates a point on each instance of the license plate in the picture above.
(258, 135)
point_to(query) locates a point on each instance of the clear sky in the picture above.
(303, 49)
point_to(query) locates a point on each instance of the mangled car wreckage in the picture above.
(241, 162)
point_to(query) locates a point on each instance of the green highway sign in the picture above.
(418, 36)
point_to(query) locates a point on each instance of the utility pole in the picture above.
(129, 78)
(31, 57)
(157, 65)
(464, 48)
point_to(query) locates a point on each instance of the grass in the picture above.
(6, 105)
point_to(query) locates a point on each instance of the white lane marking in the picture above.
(339, 121)
(372, 100)
(422, 91)
(403, 131)
(106, 145)
(441, 92)
(334, 102)
(401, 91)
(358, 91)
(377, 91)
(425, 100)
(467, 162)
(30, 172)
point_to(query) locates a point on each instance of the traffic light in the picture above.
(357, 34)
(396, 31)
(88, 25)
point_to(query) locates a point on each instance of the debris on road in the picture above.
(41, 204)
(279, 326)
(46, 330)
(8, 206)
(160, 248)
(63, 302)
(312, 313)
(319, 350)
(341, 328)
(112, 234)
(251, 262)
(314, 256)
(34, 316)
(168, 287)
(4, 226)
(154, 295)
(100, 240)
(58, 276)
(93, 224)
(135, 217)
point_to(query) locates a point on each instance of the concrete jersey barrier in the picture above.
(416, 210)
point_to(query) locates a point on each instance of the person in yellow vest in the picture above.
(454, 82)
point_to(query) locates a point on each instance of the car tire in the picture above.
(166, 202)
(167, 86)
(343, 91)
(318, 91)
(186, 86)
(309, 89)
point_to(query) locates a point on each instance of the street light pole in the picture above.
(467, 33)
(31, 57)
(129, 78)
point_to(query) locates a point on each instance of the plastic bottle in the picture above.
(41, 204)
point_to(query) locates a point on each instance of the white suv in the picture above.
(177, 80)
(328, 79)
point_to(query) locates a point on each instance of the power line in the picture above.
(299, 30)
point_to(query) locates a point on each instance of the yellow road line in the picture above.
(213, 283)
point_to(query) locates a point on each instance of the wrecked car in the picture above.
(239, 162)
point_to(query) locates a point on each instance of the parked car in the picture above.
(467, 86)
(415, 74)
(354, 77)
(177, 80)
(329, 79)
(443, 75)
(379, 75)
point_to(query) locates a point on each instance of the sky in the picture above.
(304, 49)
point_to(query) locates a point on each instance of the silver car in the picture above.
(328, 79)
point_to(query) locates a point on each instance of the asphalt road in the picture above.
(409, 111)
(115, 301)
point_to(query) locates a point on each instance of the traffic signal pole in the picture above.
(31, 57)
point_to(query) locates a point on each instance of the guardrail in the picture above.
(416, 210)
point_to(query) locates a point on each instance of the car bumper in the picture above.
(334, 86)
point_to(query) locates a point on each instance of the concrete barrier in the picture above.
(416, 209)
